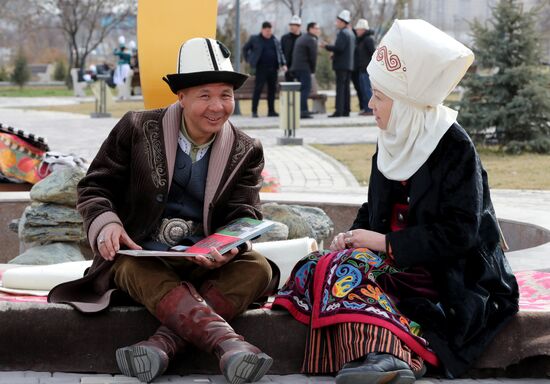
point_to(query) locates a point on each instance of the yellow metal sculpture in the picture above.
(162, 26)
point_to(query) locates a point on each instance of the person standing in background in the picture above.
(342, 62)
(123, 64)
(287, 43)
(304, 63)
(264, 54)
(364, 49)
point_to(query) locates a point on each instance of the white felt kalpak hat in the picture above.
(362, 24)
(203, 61)
(419, 63)
(345, 16)
(295, 20)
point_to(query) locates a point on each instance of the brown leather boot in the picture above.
(185, 312)
(149, 359)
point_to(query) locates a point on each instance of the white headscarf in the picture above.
(417, 66)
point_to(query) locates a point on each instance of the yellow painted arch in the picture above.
(162, 26)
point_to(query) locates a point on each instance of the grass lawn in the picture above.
(527, 171)
(35, 91)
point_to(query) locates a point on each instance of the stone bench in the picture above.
(48, 337)
(247, 90)
(54, 338)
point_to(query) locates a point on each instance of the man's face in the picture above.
(315, 30)
(206, 108)
(340, 24)
(360, 31)
(294, 29)
(267, 33)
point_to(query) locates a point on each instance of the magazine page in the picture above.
(226, 238)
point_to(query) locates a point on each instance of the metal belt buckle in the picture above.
(172, 231)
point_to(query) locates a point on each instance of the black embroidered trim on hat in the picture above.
(179, 56)
(212, 56)
(224, 49)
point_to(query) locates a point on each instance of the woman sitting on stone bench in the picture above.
(420, 276)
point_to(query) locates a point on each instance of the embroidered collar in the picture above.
(187, 145)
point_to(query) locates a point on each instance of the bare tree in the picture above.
(86, 23)
(294, 6)
(379, 13)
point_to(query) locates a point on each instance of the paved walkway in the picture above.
(304, 173)
(77, 378)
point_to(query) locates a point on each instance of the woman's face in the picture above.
(381, 107)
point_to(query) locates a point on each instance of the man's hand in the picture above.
(215, 259)
(284, 68)
(110, 238)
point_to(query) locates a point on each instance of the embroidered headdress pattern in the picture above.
(392, 61)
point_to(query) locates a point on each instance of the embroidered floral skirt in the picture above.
(342, 297)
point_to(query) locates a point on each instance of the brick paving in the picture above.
(28, 377)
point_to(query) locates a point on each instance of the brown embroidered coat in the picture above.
(129, 180)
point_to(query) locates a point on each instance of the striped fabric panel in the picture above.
(329, 348)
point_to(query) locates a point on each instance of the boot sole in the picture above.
(247, 367)
(140, 362)
(404, 376)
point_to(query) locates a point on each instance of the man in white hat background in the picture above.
(287, 43)
(264, 54)
(342, 62)
(364, 48)
(173, 176)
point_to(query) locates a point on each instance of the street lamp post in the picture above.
(237, 49)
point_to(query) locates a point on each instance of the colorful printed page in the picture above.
(230, 236)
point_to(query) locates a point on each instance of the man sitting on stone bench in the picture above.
(185, 166)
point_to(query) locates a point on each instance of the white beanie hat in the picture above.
(295, 20)
(362, 24)
(345, 16)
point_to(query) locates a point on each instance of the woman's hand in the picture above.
(215, 259)
(359, 238)
(110, 238)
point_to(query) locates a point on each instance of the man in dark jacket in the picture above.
(287, 43)
(342, 62)
(304, 63)
(364, 48)
(264, 54)
(172, 176)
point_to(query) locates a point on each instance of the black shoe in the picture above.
(306, 116)
(335, 115)
(272, 114)
(376, 368)
(254, 114)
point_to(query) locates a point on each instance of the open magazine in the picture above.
(226, 238)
